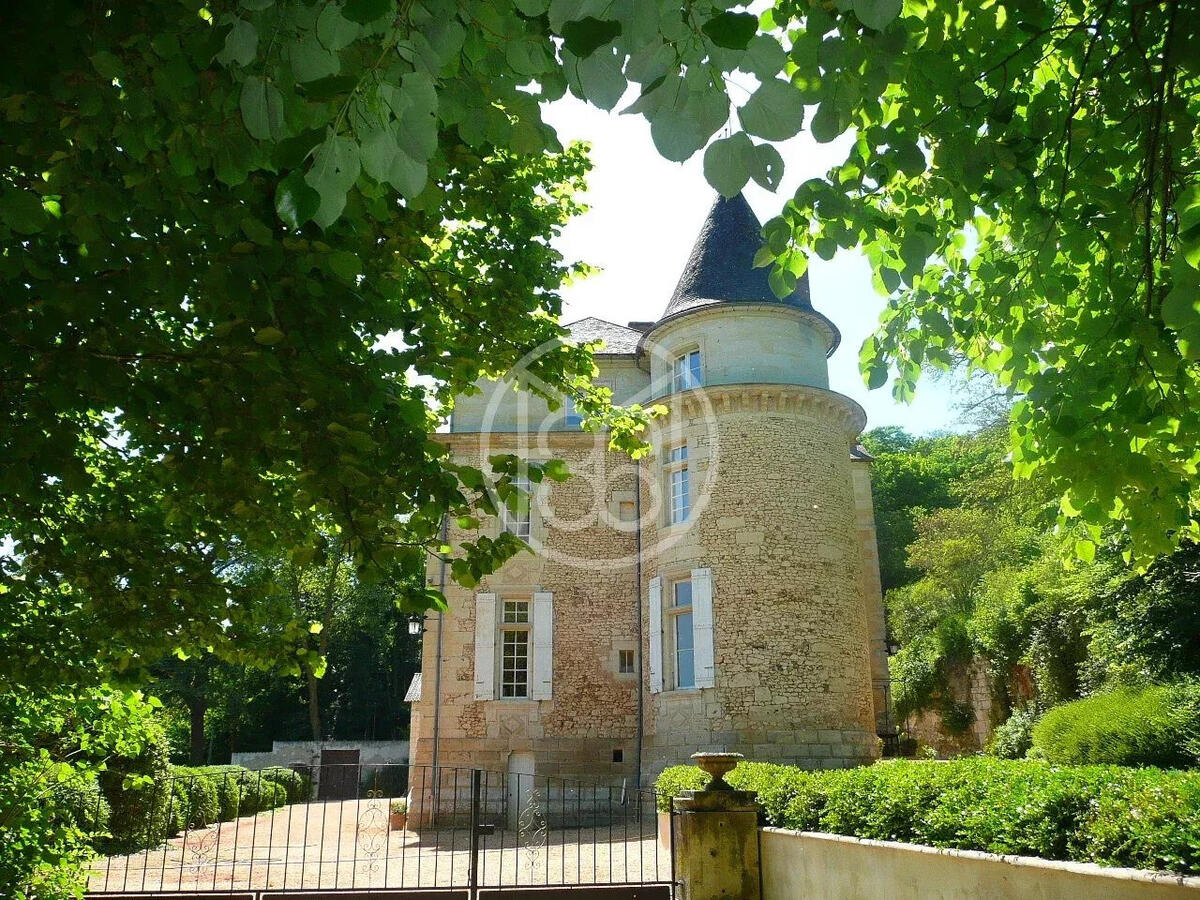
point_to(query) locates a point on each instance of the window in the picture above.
(681, 636)
(515, 513)
(514, 649)
(624, 662)
(687, 371)
(676, 468)
(571, 416)
(627, 511)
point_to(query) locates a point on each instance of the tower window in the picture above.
(681, 635)
(515, 513)
(624, 662)
(687, 370)
(676, 470)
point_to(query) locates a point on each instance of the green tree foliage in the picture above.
(52, 749)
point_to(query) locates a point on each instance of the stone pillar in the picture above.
(715, 837)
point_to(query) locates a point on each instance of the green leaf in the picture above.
(311, 61)
(295, 201)
(877, 376)
(725, 164)
(764, 57)
(825, 124)
(262, 109)
(336, 165)
(1181, 306)
(601, 79)
(334, 30)
(1086, 551)
(365, 11)
(774, 112)
(877, 14)
(766, 166)
(731, 30)
(268, 336)
(532, 8)
(584, 37)
(345, 265)
(556, 470)
(241, 44)
(22, 211)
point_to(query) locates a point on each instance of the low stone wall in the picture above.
(799, 864)
(308, 753)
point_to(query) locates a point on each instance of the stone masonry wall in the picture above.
(586, 559)
(774, 518)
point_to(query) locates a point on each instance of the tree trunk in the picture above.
(314, 705)
(196, 710)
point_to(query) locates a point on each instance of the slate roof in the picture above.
(721, 266)
(618, 340)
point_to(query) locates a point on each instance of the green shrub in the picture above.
(296, 785)
(139, 792)
(1154, 726)
(201, 805)
(78, 803)
(1145, 818)
(1013, 739)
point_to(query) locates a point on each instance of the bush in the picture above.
(1154, 726)
(1145, 818)
(139, 793)
(296, 785)
(78, 803)
(1013, 739)
(201, 805)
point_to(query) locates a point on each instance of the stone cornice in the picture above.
(794, 399)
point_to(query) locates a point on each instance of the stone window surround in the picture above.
(520, 622)
(617, 648)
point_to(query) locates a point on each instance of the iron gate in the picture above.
(466, 833)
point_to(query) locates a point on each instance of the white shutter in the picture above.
(485, 646)
(542, 676)
(656, 656)
(702, 627)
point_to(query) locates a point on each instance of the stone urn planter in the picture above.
(717, 765)
(398, 815)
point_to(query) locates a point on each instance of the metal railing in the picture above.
(461, 828)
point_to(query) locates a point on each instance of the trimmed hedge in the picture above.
(298, 786)
(149, 811)
(1142, 818)
(79, 803)
(1153, 726)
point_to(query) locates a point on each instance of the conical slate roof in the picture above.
(721, 266)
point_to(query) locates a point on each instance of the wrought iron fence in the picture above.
(375, 826)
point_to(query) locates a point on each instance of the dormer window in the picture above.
(687, 370)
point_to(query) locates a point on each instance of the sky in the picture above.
(644, 216)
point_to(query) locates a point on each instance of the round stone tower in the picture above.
(759, 628)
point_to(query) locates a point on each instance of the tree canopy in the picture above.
(212, 214)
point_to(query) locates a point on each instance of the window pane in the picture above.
(683, 593)
(685, 672)
(516, 612)
(514, 663)
(694, 368)
(517, 521)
